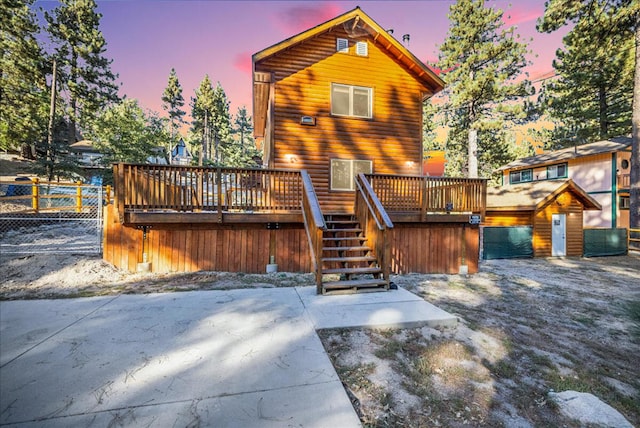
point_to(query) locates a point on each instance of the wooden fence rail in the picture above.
(430, 195)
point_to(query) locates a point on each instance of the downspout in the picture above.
(614, 190)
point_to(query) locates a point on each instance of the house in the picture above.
(601, 168)
(338, 114)
(341, 98)
(541, 218)
(180, 154)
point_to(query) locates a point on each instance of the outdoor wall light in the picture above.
(291, 158)
(449, 207)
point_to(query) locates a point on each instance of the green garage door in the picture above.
(507, 242)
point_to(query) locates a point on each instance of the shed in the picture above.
(550, 212)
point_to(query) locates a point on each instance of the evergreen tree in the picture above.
(612, 20)
(201, 114)
(23, 89)
(56, 161)
(482, 63)
(244, 152)
(125, 133)
(172, 102)
(86, 75)
(593, 92)
(221, 126)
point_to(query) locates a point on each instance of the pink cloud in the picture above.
(242, 62)
(301, 17)
(521, 13)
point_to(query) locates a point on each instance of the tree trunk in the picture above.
(52, 118)
(473, 154)
(634, 191)
(604, 123)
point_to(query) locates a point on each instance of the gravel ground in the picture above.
(527, 327)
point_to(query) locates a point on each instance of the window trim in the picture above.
(626, 205)
(519, 172)
(352, 163)
(351, 96)
(557, 165)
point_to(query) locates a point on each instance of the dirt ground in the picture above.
(527, 327)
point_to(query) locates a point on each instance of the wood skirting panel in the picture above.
(434, 248)
(206, 247)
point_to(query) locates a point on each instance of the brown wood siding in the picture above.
(565, 203)
(303, 77)
(210, 247)
(433, 248)
(508, 218)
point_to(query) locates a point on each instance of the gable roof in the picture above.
(599, 147)
(355, 20)
(535, 195)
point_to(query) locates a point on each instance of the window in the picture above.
(343, 172)
(521, 176)
(625, 203)
(342, 45)
(352, 101)
(557, 171)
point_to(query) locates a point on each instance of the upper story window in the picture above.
(342, 45)
(521, 176)
(354, 101)
(362, 49)
(557, 171)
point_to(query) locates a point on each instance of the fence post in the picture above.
(79, 197)
(35, 195)
(108, 194)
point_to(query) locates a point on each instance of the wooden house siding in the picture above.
(563, 204)
(508, 218)
(303, 75)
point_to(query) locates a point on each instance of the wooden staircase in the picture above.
(348, 263)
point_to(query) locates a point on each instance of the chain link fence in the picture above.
(38, 217)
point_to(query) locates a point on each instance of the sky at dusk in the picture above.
(146, 38)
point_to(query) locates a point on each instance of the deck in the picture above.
(182, 218)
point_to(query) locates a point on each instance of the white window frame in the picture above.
(351, 89)
(519, 173)
(354, 165)
(362, 49)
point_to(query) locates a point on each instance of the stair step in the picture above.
(356, 248)
(354, 283)
(346, 238)
(353, 270)
(349, 259)
(341, 221)
(346, 229)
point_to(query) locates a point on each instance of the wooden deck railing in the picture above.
(430, 195)
(314, 225)
(194, 189)
(374, 219)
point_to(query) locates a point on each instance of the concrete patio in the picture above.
(247, 357)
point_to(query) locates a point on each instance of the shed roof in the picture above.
(606, 146)
(535, 195)
(354, 20)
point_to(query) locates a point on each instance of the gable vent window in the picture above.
(342, 45)
(362, 49)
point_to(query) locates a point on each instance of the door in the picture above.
(558, 235)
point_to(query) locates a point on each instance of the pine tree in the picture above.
(201, 113)
(244, 153)
(23, 89)
(221, 126)
(86, 74)
(172, 102)
(482, 64)
(593, 92)
(609, 20)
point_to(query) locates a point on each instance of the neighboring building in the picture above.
(341, 98)
(87, 155)
(539, 218)
(180, 154)
(601, 169)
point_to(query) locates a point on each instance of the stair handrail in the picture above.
(373, 210)
(314, 225)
